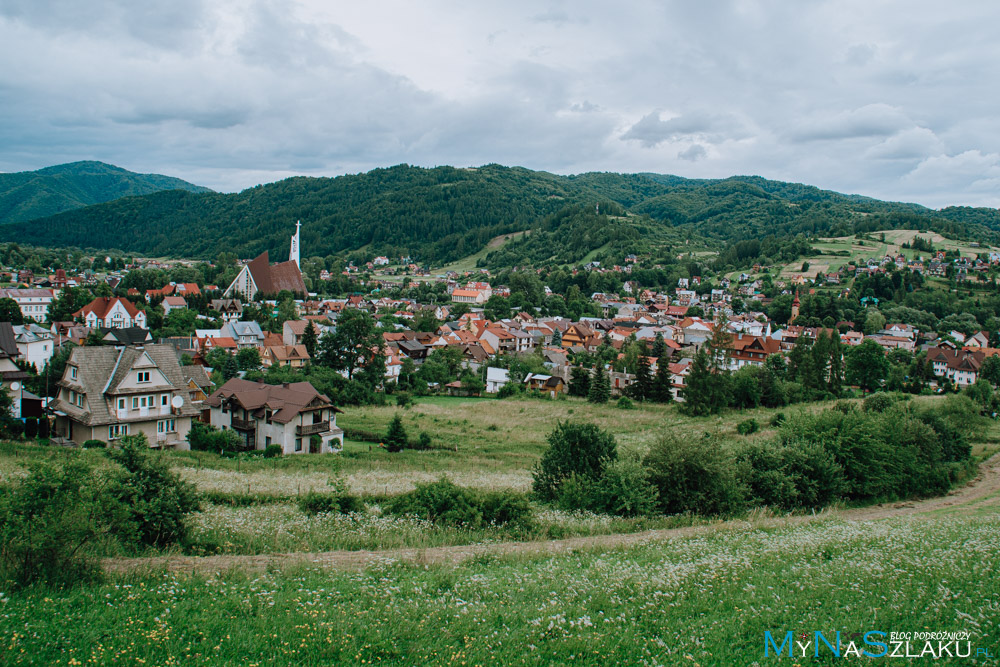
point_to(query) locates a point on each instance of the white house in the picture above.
(34, 344)
(287, 414)
(111, 313)
(496, 378)
(34, 303)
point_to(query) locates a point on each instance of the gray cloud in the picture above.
(884, 99)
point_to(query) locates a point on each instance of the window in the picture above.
(267, 416)
(72, 396)
(79, 400)
(298, 444)
(163, 400)
(267, 441)
(135, 402)
(143, 376)
(72, 372)
(117, 431)
(166, 426)
(121, 403)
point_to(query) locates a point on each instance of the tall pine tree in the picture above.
(600, 386)
(310, 339)
(642, 388)
(663, 389)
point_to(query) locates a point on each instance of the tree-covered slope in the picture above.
(443, 214)
(28, 195)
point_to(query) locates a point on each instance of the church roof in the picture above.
(273, 279)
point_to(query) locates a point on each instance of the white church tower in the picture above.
(293, 254)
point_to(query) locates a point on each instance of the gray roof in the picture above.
(101, 370)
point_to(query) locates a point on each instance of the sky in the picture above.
(895, 100)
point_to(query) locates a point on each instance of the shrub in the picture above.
(778, 419)
(579, 448)
(206, 438)
(43, 428)
(395, 437)
(693, 476)
(404, 399)
(440, 502)
(624, 488)
(508, 390)
(791, 476)
(46, 522)
(156, 499)
(747, 426)
(879, 402)
(576, 492)
(273, 451)
(317, 503)
(94, 444)
(625, 403)
(30, 428)
(506, 508)
(424, 441)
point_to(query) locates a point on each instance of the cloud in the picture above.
(650, 131)
(872, 120)
(912, 144)
(693, 153)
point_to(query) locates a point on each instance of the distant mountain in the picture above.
(446, 213)
(27, 195)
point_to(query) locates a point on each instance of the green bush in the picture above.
(47, 522)
(574, 447)
(156, 499)
(404, 399)
(423, 442)
(879, 402)
(395, 437)
(206, 438)
(778, 419)
(317, 503)
(94, 444)
(747, 426)
(508, 390)
(576, 492)
(506, 508)
(625, 403)
(694, 476)
(273, 451)
(624, 489)
(791, 476)
(440, 502)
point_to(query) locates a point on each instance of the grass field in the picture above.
(826, 262)
(704, 600)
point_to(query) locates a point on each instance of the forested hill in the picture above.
(443, 214)
(27, 195)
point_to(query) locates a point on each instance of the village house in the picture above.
(172, 303)
(111, 312)
(287, 414)
(109, 392)
(34, 303)
(294, 356)
(34, 344)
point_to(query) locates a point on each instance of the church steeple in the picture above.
(293, 253)
(795, 308)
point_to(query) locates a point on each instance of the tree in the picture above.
(356, 347)
(557, 338)
(990, 370)
(575, 448)
(579, 381)
(600, 386)
(704, 392)
(659, 346)
(874, 322)
(395, 436)
(157, 500)
(310, 339)
(867, 366)
(642, 388)
(663, 382)
(10, 311)
(248, 359)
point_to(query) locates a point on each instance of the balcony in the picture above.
(243, 424)
(310, 429)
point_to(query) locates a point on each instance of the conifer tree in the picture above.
(310, 339)
(600, 386)
(663, 390)
(659, 346)
(642, 388)
(395, 437)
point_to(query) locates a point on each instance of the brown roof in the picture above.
(286, 401)
(102, 304)
(273, 279)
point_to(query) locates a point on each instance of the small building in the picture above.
(111, 312)
(287, 414)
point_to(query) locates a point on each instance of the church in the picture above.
(259, 276)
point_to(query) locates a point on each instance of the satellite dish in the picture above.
(14, 386)
(177, 402)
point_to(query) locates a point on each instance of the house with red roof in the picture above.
(111, 312)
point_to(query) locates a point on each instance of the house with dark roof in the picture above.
(287, 414)
(109, 392)
(260, 276)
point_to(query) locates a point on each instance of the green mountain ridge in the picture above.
(446, 213)
(28, 195)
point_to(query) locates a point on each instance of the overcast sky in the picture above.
(896, 100)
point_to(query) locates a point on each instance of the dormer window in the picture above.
(72, 372)
(143, 376)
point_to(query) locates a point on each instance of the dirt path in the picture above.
(983, 491)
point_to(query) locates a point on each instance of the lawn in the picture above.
(704, 600)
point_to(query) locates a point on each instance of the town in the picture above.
(98, 354)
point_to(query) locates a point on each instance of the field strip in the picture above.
(982, 491)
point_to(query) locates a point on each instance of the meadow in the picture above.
(702, 600)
